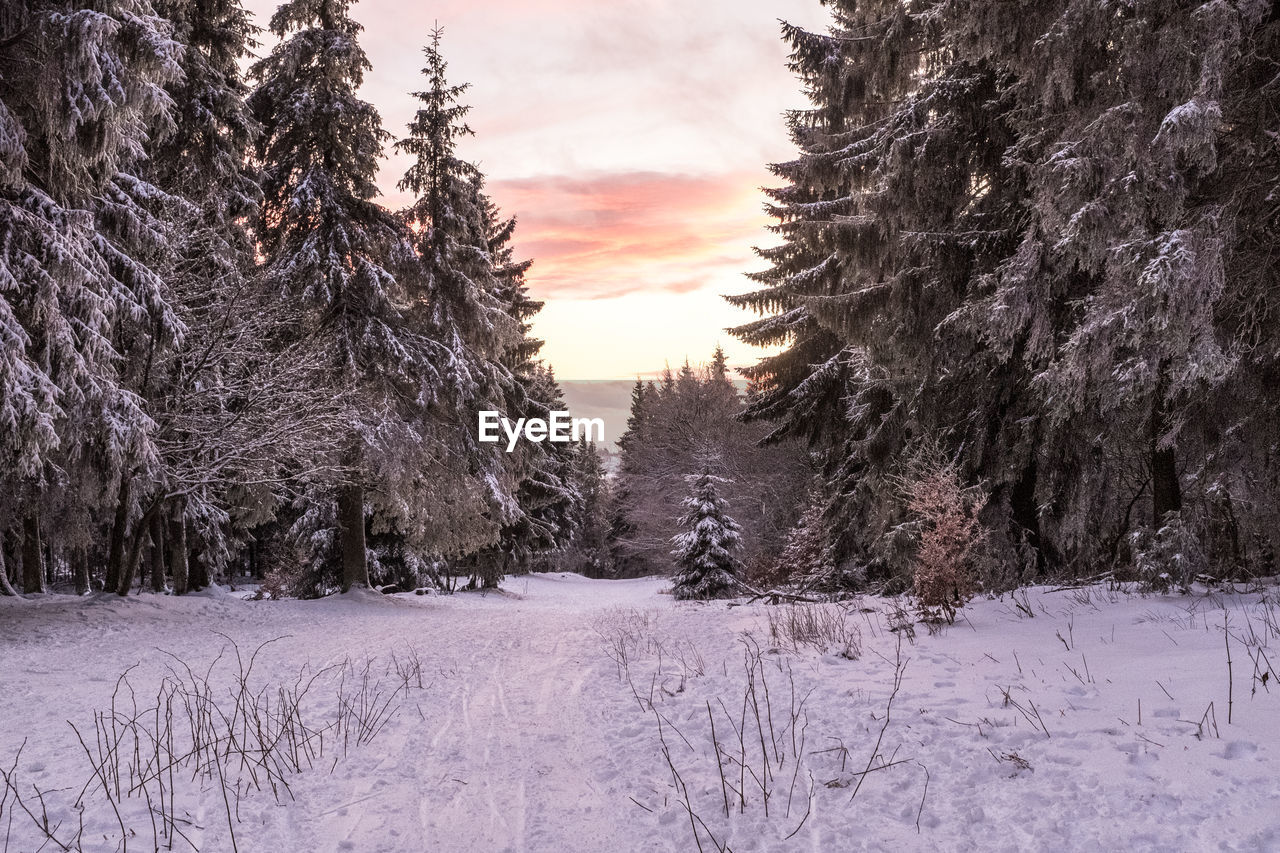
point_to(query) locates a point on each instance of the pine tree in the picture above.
(899, 213)
(1008, 230)
(1113, 296)
(547, 498)
(474, 299)
(706, 565)
(455, 224)
(200, 160)
(205, 156)
(804, 556)
(624, 557)
(328, 245)
(82, 85)
(589, 523)
(673, 426)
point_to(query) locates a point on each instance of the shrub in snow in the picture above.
(826, 627)
(945, 575)
(706, 565)
(1169, 557)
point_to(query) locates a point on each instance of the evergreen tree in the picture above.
(455, 225)
(1113, 298)
(466, 494)
(474, 300)
(548, 502)
(804, 556)
(625, 559)
(671, 428)
(328, 246)
(899, 202)
(547, 499)
(1008, 230)
(200, 161)
(82, 84)
(205, 156)
(706, 565)
(589, 524)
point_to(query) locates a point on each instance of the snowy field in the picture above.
(571, 714)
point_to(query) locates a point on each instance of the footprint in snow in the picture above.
(1239, 749)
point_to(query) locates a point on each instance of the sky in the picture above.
(629, 137)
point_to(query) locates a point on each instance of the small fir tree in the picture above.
(705, 553)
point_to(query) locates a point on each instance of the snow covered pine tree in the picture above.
(705, 563)
(329, 249)
(475, 303)
(80, 87)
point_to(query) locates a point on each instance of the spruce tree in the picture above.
(82, 85)
(671, 428)
(1010, 228)
(706, 565)
(1114, 295)
(589, 524)
(454, 223)
(472, 296)
(328, 246)
(899, 212)
(200, 160)
(547, 497)
(624, 557)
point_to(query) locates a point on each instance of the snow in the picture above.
(532, 732)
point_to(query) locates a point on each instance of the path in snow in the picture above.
(525, 739)
(513, 754)
(507, 748)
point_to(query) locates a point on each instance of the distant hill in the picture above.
(607, 399)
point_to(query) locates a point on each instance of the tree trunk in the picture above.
(32, 564)
(116, 552)
(355, 564)
(80, 567)
(1166, 492)
(141, 533)
(6, 588)
(1026, 514)
(197, 570)
(255, 559)
(496, 571)
(157, 553)
(178, 546)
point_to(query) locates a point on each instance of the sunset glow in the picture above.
(635, 175)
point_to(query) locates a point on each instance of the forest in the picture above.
(1027, 261)
(1035, 262)
(222, 354)
(1004, 464)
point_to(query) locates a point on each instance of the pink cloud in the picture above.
(605, 235)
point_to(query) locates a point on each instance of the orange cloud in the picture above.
(606, 235)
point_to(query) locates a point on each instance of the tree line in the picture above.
(219, 351)
(1036, 240)
(685, 438)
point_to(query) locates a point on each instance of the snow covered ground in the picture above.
(571, 714)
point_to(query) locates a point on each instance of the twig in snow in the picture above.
(899, 666)
(920, 810)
